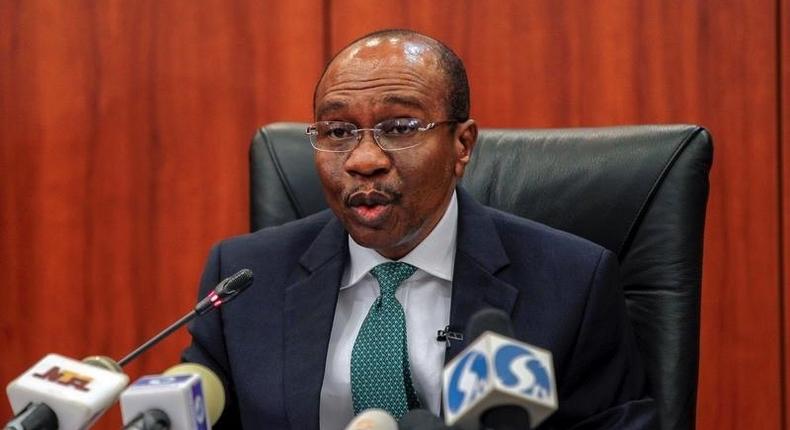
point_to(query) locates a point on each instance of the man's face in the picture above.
(390, 201)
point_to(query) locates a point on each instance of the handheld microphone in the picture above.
(187, 396)
(213, 389)
(35, 415)
(498, 382)
(373, 419)
(227, 290)
(74, 392)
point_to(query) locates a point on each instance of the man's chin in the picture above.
(369, 238)
(384, 241)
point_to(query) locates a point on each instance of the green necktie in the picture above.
(380, 374)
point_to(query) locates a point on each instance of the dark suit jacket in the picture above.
(562, 292)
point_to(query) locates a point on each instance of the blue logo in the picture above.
(199, 407)
(519, 369)
(468, 381)
(161, 380)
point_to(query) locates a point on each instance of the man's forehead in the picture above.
(411, 49)
(393, 54)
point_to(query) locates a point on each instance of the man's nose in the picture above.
(368, 158)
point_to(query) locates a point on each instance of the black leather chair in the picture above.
(640, 191)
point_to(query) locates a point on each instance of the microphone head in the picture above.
(103, 362)
(225, 291)
(213, 390)
(373, 419)
(420, 419)
(489, 319)
(234, 284)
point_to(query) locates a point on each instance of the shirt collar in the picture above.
(435, 255)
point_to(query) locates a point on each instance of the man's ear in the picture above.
(465, 139)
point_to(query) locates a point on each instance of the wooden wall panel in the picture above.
(124, 129)
(578, 63)
(784, 148)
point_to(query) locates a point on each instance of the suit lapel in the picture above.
(310, 302)
(478, 258)
(311, 298)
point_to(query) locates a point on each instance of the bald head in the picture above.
(415, 51)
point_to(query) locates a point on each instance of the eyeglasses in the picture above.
(394, 134)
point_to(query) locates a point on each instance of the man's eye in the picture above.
(338, 132)
(400, 127)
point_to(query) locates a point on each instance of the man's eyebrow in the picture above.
(328, 107)
(404, 100)
(336, 105)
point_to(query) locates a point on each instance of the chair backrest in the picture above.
(640, 191)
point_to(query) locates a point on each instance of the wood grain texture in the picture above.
(124, 129)
(784, 168)
(577, 63)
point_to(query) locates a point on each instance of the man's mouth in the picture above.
(370, 207)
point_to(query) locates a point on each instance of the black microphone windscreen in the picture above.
(236, 282)
(489, 319)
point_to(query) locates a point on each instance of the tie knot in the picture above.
(390, 275)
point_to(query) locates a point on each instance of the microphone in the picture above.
(58, 392)
(34, 416)
(373, 419)
(185, 396)
(421, 419)
(78, 393)
(498, 382)
(213, 389)
(448, 335)
(227, 290)
(152, 419)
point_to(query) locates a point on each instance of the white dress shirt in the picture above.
(425, 298)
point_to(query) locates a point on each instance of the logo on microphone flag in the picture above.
(468, 381)
(199, 407)
(66, 378)
(496, 370)
(510, 362)
(159, 380)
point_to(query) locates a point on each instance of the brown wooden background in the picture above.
(124, 128)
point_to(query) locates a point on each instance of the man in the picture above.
(347, 302)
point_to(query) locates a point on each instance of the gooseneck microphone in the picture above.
(78, 392)
(227, 290)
